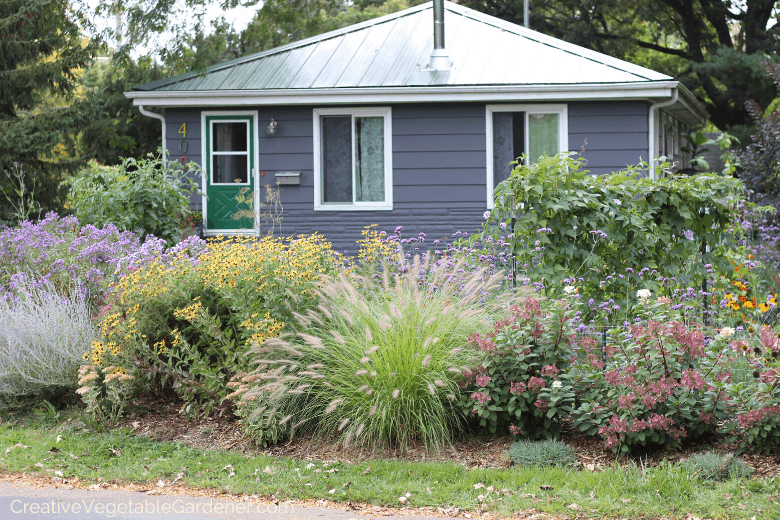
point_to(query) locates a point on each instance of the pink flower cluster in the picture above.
(481, 397)
(483, 380)
(550, 370)
(536, 383)
(516, 387)
(753, 417)
(515, 430)
(615, 432)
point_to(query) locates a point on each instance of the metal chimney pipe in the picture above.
(438, 24)
(440, 59)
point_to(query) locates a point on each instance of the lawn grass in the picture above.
(628, 492)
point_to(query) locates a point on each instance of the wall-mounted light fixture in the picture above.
(272, 128)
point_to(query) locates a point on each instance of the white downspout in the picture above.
(651, 151)
(161, 117)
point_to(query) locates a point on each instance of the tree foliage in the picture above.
(714, 47)
(761, 159)
(42, 52)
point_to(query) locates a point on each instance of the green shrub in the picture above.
(714, 466)
(573, 224)
(186, 323)
(541, 453)
(145, 196)
(657, 381)
(378, 364)
(520, 384)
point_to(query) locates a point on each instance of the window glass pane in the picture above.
(337, 159)
(229, 168)
(369, 159)
(230, 137)
(542, 135)
(508, 142)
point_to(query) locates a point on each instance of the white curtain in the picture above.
(369, 159)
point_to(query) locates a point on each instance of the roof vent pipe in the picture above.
(440, 59)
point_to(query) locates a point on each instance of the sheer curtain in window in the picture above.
(369, 159)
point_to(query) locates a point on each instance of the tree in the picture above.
(761, 159)
(42, 52)
(714, 47)
(118, 128)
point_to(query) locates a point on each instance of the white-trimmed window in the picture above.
(353, 160)
(513, 130)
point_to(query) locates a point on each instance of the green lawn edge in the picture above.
(122, 457)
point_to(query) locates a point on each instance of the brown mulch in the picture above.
(163, 421)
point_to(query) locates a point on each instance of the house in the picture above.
(401, 121)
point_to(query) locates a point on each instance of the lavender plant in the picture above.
(42, 338)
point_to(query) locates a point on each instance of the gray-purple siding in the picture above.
(439, 158)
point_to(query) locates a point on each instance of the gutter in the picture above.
(651, 151)
(375, 95)
(155, 115)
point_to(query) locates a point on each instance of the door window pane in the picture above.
(230, 137)
(337, 159)
(369, 159)
(542, 135)
(229, 168)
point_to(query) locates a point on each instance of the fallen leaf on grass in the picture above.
(114, 452)
(160, 483)
(59, 438)
(625, 500)
(38, 464)
(574, 506)
(478, 486)
(332, 490)
(546, 488)
(309, 465)
(58, 473)
(54, 450)
(367, 471)
(268, 470)
(231, 470)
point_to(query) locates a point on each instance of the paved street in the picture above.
(78, 504)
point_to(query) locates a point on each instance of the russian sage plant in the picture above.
(42, 338)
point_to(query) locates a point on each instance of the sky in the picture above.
(239, 17)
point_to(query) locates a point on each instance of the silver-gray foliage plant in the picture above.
(42, 338)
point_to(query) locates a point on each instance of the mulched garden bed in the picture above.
(162, 420)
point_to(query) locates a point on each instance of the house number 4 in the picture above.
(183, 131)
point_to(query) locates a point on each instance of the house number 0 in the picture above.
(183, 161)
(183, 146)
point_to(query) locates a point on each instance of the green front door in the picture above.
(230, 163)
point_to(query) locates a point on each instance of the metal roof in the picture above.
(393, 50)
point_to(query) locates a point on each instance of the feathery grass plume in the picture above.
(417, 332)
(347, 318)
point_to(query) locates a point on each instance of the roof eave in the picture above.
(445, 93)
